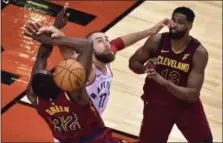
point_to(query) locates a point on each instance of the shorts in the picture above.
(191, 120)
(104, 136)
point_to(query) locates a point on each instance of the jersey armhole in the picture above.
(199, 45)
(159, 45)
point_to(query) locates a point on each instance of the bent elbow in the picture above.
(132, 66)
(135, 69)
(194, 97)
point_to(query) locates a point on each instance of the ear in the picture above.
(190, 26)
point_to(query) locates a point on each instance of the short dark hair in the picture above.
(43, 85)
(187, 12)
(91, 33)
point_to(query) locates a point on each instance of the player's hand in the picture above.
(169, 23)
(62, 18)
(52, 30)
(151, 64)
(31, 31)
(151, 71)
(166, 22)
(152, 74)
(60, 22)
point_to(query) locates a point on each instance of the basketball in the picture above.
(69, 75)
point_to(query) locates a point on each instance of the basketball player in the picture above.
(99, 82)
(172, 87)
(70, 116)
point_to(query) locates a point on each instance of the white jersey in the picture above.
(99, 89)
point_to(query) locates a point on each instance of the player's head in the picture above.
(183, 18)
(43, 85)
(102, 47)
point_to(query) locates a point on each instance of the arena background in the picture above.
(21, 123)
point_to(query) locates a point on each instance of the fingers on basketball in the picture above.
(69, 75)
(77, 75)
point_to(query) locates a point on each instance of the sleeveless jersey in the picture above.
(172, 66)
(99, 89)
(69, 121)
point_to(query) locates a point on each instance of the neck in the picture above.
(179, 44)
(101, 66)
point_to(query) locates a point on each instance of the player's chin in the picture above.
(105, 58)
(175, 36)
(111, 57)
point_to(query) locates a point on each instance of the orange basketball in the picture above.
(69, 75)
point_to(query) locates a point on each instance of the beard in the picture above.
(105, 58)
(177, 35)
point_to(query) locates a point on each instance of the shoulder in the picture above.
(200, 58)
(201, 52)
(152, 43)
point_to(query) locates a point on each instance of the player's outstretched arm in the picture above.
(142, 55)
(77, 44)
(67, 49)
(40, 64)
(44, 52)
(130, 39)
(196, 78)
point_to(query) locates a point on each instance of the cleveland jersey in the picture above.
(99, 89)
(69, 121)
(172, 66)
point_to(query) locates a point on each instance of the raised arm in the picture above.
(143, 54)
(130, 39)
(44, 52)
(40, 64)
(77, 44)
(196, 78)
